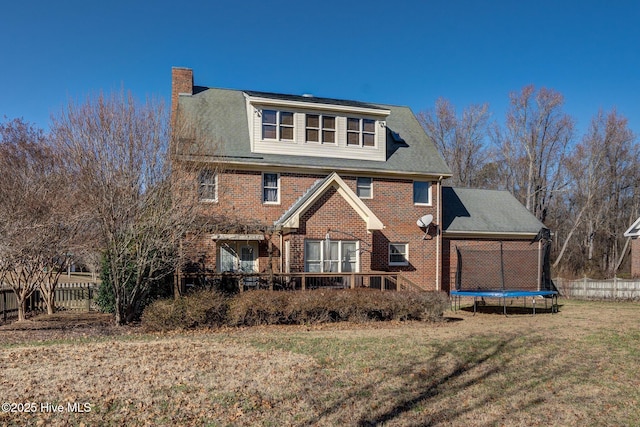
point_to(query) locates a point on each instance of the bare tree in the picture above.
(36, 230)
(602, 197)
(616, 202)
(533, 146)
(461, 140)
(117, 148)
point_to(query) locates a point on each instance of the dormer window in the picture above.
(277, 125)
(287, 125)
(361, 132)
(320, 128)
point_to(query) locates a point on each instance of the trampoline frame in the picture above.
(504, 294)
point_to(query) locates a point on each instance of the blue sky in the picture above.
(395, 52)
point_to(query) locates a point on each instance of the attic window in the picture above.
(361, 132)
(277, 125)
(320, 128)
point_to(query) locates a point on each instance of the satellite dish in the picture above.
(425, 221)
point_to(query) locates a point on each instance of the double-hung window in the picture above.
(277, 125)
(208, 186)
(398, 254)
(361, 132)
(271, 188)
(320, 128)
(364, 187)
(421, 193)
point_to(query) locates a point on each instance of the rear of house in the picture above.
(296, 183)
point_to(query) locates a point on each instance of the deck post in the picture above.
(303, 282)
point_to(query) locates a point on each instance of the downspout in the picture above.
(281, 251)
(438, 233)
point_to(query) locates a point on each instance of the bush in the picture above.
(106, 298)
(211, 309)
(199, 309)
(321, 306)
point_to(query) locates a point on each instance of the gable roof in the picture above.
(474, 212)
(220, 115)
(634, 230)
(291, 218)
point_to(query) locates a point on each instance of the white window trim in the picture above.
(339, 260)
(370, 187)
(278, 188)
(214, 184)
(361, 132)
(406, 255)
(320, 129)
(278, 125)
(429, 193)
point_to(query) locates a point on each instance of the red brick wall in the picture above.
(635, 257)
(240, 199)
(181, 82)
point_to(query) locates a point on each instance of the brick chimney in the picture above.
(181, 83)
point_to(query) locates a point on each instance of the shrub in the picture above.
(321, 306)
(211, 309)
(198, 309)
(259, 308)
(106, 298)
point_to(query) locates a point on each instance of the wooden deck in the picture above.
(298, 281)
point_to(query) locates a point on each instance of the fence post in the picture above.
(615, 288)
(4, 305)
(88, 298)
(584, 286)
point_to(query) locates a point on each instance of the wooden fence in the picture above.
(610, 289)
(69, 296)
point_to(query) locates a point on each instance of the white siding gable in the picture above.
(299, 146)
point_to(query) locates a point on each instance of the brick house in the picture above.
(634, 233)
(327, 185)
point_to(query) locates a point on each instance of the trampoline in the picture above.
(504, 294)
(504, 270)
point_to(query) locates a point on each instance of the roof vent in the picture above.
(307, 95)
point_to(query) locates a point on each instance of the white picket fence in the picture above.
(599, 289)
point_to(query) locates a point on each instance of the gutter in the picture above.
(490, 234)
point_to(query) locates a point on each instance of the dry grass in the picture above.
(578, 367)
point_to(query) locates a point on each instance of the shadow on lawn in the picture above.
(431, 390)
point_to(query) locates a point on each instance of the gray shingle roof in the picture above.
(221, 117)
(467, 210)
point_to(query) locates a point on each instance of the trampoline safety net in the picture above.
(499, 269)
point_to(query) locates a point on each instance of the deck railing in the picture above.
(299, 281)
